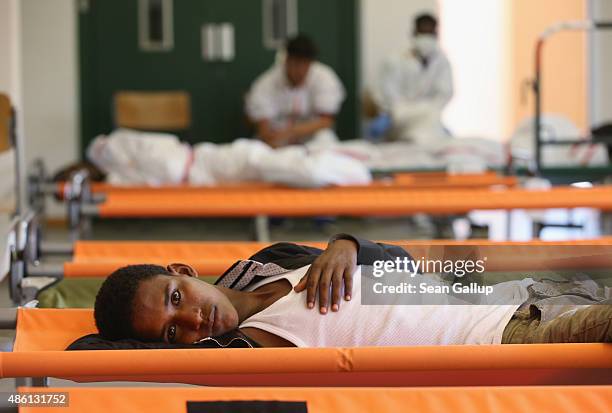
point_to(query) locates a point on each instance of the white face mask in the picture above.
(425, 44)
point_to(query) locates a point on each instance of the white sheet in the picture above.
(136, 158)
(456, 155)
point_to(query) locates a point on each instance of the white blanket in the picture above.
(137, 158)
(465, 155)
(556, 128)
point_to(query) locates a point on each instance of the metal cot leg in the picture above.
(32, 382)
(262, 228)
(606, 223)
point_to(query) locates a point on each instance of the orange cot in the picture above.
(100, 258)
(421, 180)
(548, 399)
(42, 334)
(342, 201)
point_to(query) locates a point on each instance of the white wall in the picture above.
(9, 84)
(38, 69)
(601, 66)
(386, 27)
(49, 62)
(475, 35)
(49, 81)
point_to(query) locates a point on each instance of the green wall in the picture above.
(111, 60)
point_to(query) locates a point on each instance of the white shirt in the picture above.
(273, 98)
(403, 78)
(415, 95)
(357, 325)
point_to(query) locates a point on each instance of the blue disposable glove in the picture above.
(379, 126)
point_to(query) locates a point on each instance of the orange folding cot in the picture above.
(370, 201)
(421, 180)
(541, 399)
(42, 334)
(344, 201)
(100, 258)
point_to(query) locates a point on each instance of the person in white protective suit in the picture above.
(129, 157)
(296, 98)
(413, 89)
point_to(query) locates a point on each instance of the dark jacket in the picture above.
(285, 256)
(293, 256)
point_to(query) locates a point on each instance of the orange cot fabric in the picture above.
(43, 333)
(397, 181)
(549, 399)
(100, 258)
(339, 201)
(104, 188)
(101, 188)
(445, 180)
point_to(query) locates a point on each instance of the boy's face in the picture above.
(297, 70)
(181, 309)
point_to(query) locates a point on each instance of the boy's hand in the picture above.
(333, 268)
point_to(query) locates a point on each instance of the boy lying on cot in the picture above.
(268, 300)
(129, 157)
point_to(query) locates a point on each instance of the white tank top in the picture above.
(357, 325)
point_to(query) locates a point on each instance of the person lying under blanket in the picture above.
(268, 301)
(129, 157)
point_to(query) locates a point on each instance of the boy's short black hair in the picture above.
(113, 310)
(425, 20)
(302, 47)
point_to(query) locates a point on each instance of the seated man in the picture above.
(129, 157)
(264, 299)
(296, 100)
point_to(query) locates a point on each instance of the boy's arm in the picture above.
(334, 268)
(331, 270)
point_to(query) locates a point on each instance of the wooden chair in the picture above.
(6, 123)
(168, 111)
